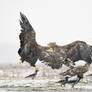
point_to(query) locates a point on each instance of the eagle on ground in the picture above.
(52, 55)
(74, 71)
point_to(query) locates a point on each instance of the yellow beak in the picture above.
(51, 49)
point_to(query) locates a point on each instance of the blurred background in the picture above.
(60, 21)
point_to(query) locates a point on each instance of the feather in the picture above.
(30, 51)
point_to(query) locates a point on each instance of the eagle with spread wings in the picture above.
(52, 55)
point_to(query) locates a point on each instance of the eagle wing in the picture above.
(28, 45)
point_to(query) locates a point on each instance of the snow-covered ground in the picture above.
(12, 77)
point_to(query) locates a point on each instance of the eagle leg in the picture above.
(34, 74)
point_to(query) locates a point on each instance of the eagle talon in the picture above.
(47, 63)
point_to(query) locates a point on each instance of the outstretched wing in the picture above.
(28, 45)
(27, 32)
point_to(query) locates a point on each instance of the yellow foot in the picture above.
(47, 63)
(36, 68)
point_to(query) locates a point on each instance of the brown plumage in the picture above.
(30, 51)
(28, 46)
(69, 54)
(79, 70)
(75, 71)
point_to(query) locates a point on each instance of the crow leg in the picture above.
(77, 81)
(63, 82)
(34, 74)
(66, 81)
